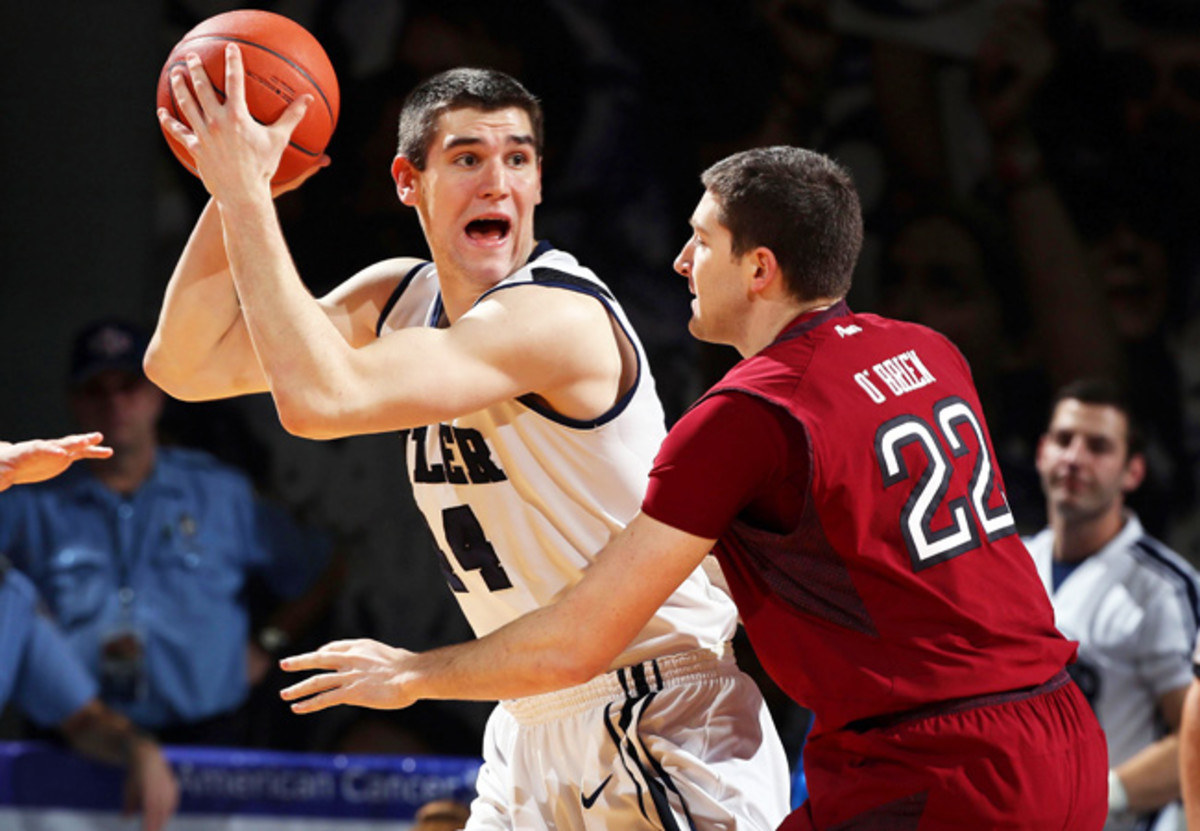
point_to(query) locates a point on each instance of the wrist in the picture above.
(1118, 797)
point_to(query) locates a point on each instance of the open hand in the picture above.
(39, 459)
(363, 672)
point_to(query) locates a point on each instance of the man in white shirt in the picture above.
(1129, 600)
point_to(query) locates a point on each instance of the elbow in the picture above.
(305, 418)
(155, 365)
(574, 666)
(165, 374)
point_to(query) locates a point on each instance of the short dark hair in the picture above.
(1104, 392)
(800, 204)
(484, 89)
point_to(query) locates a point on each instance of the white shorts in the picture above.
(680, 742)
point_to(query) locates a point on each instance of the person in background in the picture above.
(143, 558)
(1129, 600)
(40, 674)
(46, 681)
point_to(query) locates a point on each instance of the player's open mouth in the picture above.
(490, 229)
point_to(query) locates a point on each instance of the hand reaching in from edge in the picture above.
(39, 459)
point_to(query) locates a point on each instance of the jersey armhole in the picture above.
(394, 298)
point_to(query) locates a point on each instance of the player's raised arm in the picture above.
(557, 646)
(200, 348)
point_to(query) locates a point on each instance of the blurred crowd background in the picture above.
(1028, 172)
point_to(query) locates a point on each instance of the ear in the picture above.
(406, 177)
(765, 275)
(538, 198)
(1135, 473)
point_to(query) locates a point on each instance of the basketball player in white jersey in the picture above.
(529, 422)
(1129, 600)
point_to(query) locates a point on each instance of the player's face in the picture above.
(1084, 460)
(476, 195)
(715, 277)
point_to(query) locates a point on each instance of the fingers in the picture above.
(315, 704)
(311, 686)
(235, 77)
(84, 446)
(294, 114)
(202, 84)
(188, 107)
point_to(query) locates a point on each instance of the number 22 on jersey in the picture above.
(942, 444)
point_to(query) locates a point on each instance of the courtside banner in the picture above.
(220, 782)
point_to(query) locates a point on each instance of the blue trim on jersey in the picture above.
(795, 330)
(395, 295)
(532, 403)
(1150, 550)
(543, 247)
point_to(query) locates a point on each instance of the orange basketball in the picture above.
(282, 60)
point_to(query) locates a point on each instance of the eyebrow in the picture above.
(522, 139)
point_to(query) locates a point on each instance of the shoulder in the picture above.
(1158, 562)
(734, 418)
(383, 274)
(369, 292)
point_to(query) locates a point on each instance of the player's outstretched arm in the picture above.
(557, 646)
(36, 460)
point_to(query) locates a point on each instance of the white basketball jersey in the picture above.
(1133, 607)
(520, 499)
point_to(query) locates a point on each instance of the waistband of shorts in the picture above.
(957, 705)
(631, 682)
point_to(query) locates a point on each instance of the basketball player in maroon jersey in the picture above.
(844, 477)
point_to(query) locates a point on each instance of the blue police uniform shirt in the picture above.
(169, 563)
(38, 671)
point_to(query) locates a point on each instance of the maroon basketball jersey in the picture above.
(905, 582)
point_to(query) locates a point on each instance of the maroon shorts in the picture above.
(1032, 760)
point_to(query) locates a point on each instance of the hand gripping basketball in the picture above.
(281, 62)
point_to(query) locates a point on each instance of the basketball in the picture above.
(283, 61)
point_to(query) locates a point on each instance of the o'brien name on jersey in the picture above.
(465, 455)
(901, 374)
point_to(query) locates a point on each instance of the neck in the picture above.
(1077, 539)
(126, 470)
(461, 288)
(774, 318)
